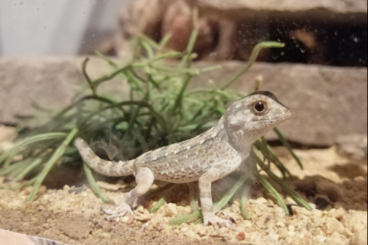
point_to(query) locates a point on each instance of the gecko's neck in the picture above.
(238, 143)
(241, 138)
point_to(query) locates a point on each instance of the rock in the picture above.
(360, 237)
(355, 220)
(321, 238)
(52, 82)
(334, 226)
(7, 134)
(317, 213)
(241, 236)
(171, 210)
(325, 7)
(261, 201)
(322, 87)
(353, 147)
(283, 233)
(337, 239)
(48, 81)
(274, 237)
(337, 214)
(300, 211)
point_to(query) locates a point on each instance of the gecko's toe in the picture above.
(119, 211)
(212, 219)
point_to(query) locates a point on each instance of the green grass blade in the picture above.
(158, 205)
(288, 147)
(28, 169)
(253, 59)
(90, 83)
(50, 164)
(272, 190)
(282, 184)
(194, 194)
(244, 200)
(31, 140)
(92, 182)
(216, 207)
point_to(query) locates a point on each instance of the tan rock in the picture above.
(334, 226)
(337, 239)
(355, 220)
(360, 237)
(171, 210)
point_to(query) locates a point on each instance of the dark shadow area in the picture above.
(350, 194)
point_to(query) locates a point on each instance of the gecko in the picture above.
(205, 158)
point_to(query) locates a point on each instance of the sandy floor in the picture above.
(338, 187)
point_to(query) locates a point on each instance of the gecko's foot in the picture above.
(119, 211)
(211, 218)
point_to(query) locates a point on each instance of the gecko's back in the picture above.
(187, 161)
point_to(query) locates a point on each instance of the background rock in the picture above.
(51, 82)
(325, 6)
(326, 102)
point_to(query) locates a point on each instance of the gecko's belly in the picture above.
(179, 178)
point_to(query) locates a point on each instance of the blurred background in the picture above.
(65, 27)
(316, 32)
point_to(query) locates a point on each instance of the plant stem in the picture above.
(55, 157)
(90, 83)
(92, 182)
(252, 59)
(288, 147)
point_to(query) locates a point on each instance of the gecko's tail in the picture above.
(101, 166)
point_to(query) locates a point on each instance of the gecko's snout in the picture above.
(288, 114)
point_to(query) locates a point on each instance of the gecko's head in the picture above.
(253, 116)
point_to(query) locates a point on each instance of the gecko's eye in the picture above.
(259, 107)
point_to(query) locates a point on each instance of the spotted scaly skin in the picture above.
(205, 158)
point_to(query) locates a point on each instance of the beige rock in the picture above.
(55, 79)
(317, 213)
(274, 237)
(171, 210)
(355, 220)
(334, 226)
(360, 237)
(238, 6)
(282, 232)
(352, 146)
(337, 239)
(7, 134)
(300, 211)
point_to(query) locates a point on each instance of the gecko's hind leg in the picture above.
(144, 179)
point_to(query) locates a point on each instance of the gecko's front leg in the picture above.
(144, 179)
(205, 188)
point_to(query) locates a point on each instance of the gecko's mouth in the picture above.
(279, 119)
